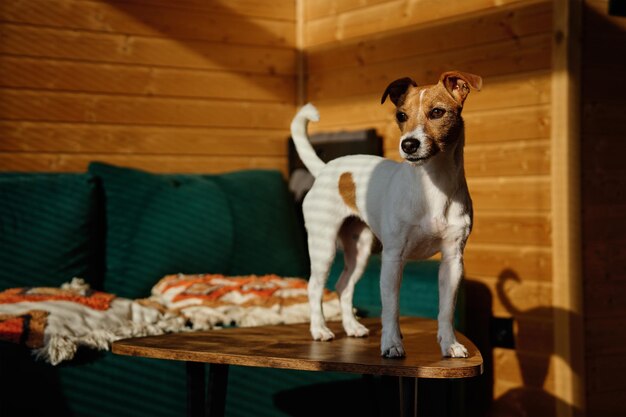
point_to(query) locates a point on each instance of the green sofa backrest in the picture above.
(123, 229)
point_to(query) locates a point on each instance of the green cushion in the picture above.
(161, 224)
(267, 236)
(50, 230)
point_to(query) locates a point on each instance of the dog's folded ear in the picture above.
(397, 89)
(458, 84)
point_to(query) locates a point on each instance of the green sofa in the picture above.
(122, 229)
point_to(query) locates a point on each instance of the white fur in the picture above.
(416, 210)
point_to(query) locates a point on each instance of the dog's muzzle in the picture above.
(410, 146)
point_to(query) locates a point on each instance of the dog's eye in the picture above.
(401, 117)
(436, 113)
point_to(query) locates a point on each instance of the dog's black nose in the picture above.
(410, 145)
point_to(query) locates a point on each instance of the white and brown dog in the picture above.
(415, 208)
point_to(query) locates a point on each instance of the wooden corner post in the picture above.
(566, 209)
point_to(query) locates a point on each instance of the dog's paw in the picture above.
(454, 350)
(355, 329)
(393, 352)
(322, 333)
(392, 347)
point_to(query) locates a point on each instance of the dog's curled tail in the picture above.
(300, 138)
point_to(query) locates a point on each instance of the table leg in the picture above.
(195, 389)
(214, 404)
(216, 390)
(408, 396)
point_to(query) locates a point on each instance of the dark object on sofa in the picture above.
(122, 230)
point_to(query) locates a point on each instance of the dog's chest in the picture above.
(436, 219)
(425, 237)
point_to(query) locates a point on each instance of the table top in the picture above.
(291, 347)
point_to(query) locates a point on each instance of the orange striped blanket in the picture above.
(209, 300)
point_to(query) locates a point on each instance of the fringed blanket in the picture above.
(54, 322)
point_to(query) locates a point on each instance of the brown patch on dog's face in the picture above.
(347, 190)
(433, 119)
(429, 116)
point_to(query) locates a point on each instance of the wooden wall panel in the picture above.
(521, 55)
(70, 76)
(154, 111)
(275, 10)
(187, 86)
(512, 228)
(355, 48)
(603, 208)
(70, 137)
(41, 42)
(155, 21)
(384, 16)
(499, 26)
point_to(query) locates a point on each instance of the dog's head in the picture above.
(429, 116)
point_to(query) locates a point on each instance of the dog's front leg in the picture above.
(450, 274)
(390, 279)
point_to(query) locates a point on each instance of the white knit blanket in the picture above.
(54, 322)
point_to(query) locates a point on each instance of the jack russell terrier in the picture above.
(416, 208)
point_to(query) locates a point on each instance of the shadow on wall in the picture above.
(529, 400)
(257, 50)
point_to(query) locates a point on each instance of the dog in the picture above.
(416, 208)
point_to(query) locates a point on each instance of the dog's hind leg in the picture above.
(322, 248)
(357, 241)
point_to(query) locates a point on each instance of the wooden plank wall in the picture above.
(185, 86)
(355, 48)
(603, 208)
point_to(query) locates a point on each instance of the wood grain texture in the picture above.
(530, 53)
(291, 347)
(31, 105)
(322, 8)
(501, 24)
(520, 158)
(185, 86)
(492, 260)
(155, 21)
(513, 397)
(527, 368)
(530, 299)
(513, 194)
(566, 209)
(35, 41)
(279, 10)
(89, 77)
(389, 15)
(140, 140)
(508, 228)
